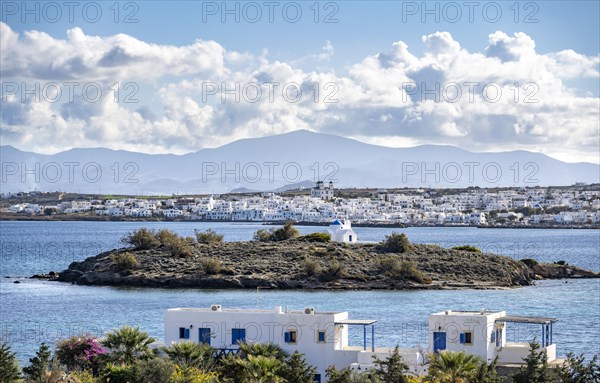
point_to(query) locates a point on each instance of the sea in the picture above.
(35, 311)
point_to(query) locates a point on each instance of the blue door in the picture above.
(204, 335)
(439, 341)
(238, 335)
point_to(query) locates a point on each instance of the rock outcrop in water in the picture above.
(298, 264)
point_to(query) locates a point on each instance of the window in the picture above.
(321, 337)
(466, 338)
(317, 378)
(493, 337)
(238, 335)
(291, 336)
(204, 335)
(184, 333)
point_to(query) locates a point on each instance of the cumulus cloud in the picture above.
(505, 96)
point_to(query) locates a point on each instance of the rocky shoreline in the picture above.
(300, 264)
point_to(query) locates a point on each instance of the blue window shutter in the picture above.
(321, 336)
(286, 337)
(493, 338)
(462, 338)
(186, 333)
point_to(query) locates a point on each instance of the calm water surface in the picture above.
(35, 311)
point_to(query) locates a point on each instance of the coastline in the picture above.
(94, 218)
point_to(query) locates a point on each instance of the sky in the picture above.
(179, 76)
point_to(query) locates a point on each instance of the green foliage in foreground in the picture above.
(130, 360)
(38, 365)
(9, 366)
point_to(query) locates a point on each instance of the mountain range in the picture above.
(280, 162)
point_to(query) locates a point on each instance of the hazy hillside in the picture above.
(272, 163)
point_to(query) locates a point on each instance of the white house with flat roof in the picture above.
(323, 336)
(483, 333)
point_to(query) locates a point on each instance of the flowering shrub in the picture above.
(80, 353)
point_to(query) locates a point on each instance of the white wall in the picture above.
(268, 326)
(455, 323)
(514, 353)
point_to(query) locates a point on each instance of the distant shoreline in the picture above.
(84, 218)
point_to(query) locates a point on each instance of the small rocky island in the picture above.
(282, 259)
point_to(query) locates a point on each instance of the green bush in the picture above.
(311, 267)
(142, 239)
(334, 271)
(179, 246)
(316, 237)
(124, 261)
(262, 235)
(211, 265)
(396, 243)
(288, 231)
(83, 377)
(208, 237)
(112, 373)
(562, 263)
(166, 237)
(408, 270)
(472, 249)
(403, 270)
(157, 370)
(388, 264)
(530, 262)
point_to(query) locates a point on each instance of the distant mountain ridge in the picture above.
(274, 163)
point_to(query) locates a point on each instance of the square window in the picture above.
(291, 336)
(321, 337)
(184, 333)
(466, 338)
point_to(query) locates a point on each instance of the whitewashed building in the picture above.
(341, 231)
(483, 333)
(322, 337)
(321, 191)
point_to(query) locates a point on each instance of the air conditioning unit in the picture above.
(215, 308)
(309, 310)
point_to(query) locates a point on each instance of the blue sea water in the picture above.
(35, 311)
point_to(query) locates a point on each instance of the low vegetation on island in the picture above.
(125, 355)
(282, 258)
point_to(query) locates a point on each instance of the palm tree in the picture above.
(269, 350)
(127, 344)
(261, 369)
(452, 367)
(191, 355)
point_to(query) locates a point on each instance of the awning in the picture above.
(357, 322)
(526, 319)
